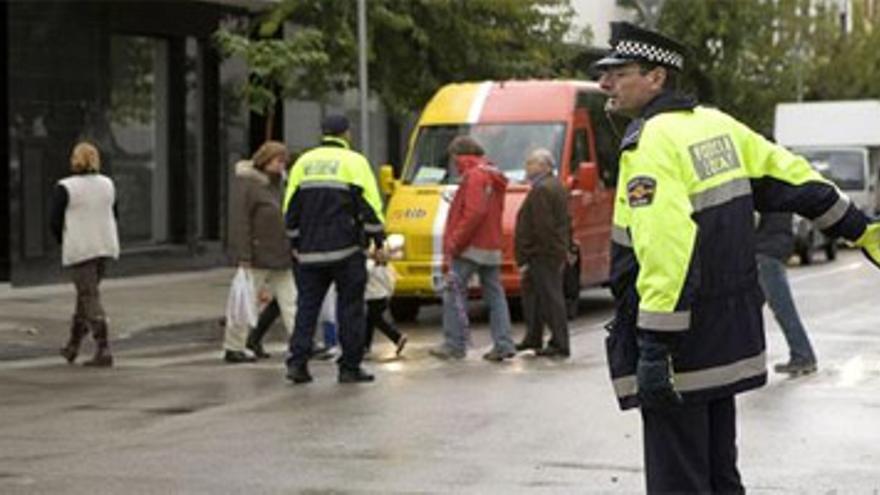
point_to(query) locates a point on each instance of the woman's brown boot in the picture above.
(102, 357)
(78, 330)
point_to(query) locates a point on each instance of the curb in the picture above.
(202, 331)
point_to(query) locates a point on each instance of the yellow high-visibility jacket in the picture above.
(332, 204)
(683, 248)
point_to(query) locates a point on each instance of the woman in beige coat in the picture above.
(259, 240)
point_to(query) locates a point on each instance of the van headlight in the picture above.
(395, 243)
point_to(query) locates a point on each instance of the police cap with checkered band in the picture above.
(630, 43)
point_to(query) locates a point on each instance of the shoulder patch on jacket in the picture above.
(640, 190)
(632, 134)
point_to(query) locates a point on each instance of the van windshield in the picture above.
(506, 145)
(846, 168)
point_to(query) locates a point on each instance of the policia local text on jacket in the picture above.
(333, 209)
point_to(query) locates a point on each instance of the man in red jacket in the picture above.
(472, 245)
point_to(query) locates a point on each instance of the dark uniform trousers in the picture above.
(312, 283)
(691, 449)
(544, 304)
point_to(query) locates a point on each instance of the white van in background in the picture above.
(842, 141)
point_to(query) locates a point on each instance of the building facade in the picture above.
(142, 80)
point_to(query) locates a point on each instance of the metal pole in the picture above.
(362, 77)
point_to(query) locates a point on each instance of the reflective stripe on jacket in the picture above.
(684, 247)
(332, 204)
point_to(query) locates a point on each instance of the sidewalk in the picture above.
(34, 321)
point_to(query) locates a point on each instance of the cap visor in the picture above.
(603, 64)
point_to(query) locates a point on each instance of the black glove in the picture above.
(654, 373)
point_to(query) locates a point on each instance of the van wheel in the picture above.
(515, 307)
(404, 310)
(571, 288)
(805, 255)
(831, 251)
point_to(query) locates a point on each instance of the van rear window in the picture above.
(845, 168)
(506, 145)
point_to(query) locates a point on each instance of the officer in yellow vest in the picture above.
(688, 333)
(333, 210)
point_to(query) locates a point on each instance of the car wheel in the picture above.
(805, 255)
(515, 308)
(404, 310)
(831, 251)
(572, 289)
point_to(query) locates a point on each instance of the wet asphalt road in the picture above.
(173, 419)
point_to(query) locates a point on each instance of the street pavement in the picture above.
(172, 418)
(35, 321)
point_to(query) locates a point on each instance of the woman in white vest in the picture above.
(83, 220)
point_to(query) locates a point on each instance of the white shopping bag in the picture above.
(241, 307)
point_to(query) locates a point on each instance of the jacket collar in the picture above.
(668, 101)
(245, 169)
(467, 162)
(539, 178)
(335, 142)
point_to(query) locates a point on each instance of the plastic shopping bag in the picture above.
(241, 307)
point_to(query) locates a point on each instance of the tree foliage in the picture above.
(748, 55)
(276, 67)
(417, 45)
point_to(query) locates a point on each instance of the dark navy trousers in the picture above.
(692, 449)
(312, 283)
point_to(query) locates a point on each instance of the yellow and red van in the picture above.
(510, 119)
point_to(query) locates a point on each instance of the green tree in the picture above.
(745, 55)
(276, 67)
(846, 65)
(417, 45)
(749, 55)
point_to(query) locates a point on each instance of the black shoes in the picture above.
(401, 343)
(257, 349)
(795, 368)
(354, 376)
(101, 359)
(497, 356)
(299, 374)
(238, 357)
(552, 352)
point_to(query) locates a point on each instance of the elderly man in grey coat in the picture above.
(540, 246)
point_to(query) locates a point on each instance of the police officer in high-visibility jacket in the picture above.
(333, 210)
(688, 332)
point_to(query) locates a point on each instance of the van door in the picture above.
(590, 208)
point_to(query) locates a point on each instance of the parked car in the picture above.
(808, 239)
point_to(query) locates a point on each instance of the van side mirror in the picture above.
(386, 179)
(587, 176)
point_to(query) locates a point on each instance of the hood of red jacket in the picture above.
(465, 163)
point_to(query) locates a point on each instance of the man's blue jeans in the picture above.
(455, 335)
(774, 283)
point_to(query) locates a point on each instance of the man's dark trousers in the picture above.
(544, 303)
(312, 282)
(692, 448)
